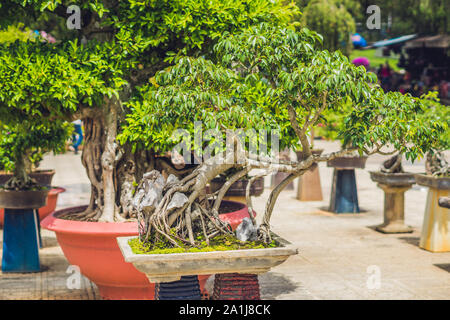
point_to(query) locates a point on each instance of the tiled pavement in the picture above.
(339, 255)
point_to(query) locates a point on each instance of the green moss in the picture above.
(219, 243)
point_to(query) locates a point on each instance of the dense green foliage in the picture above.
(288, 70)
(229, 64)
(331, 19)
(13, 33)
(143, 37)
(120, 46)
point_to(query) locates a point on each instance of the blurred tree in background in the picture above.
(332, 20)
(411, 16)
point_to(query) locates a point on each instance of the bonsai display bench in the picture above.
(435, 236)
(394, 186)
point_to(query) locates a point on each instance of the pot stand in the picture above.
(187, 288)
(236, 286)
(344, 195)
(309, 187)
(394, 209)
(435, 236)
(20, 241)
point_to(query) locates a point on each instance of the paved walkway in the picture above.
(339, 255)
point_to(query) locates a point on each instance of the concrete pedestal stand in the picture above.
(394, 186)
(394, 210)
(309, 186)
(344, 194)
(435, 236)
(20, 232)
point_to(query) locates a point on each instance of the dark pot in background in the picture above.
(23, 199)
(42, 177)
(237, 189)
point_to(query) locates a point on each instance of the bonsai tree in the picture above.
(94, 72)
(267, 77)
(22, 147)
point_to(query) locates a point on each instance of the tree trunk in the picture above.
(112, 169)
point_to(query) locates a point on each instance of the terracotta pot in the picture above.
(52, 199)
(42, 177)
(235, 218)
(93, 247)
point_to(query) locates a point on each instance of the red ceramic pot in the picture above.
(52, 199)
(92, 246)
(235, 218)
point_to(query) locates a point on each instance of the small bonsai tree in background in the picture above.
(23, 145)
(267, 77)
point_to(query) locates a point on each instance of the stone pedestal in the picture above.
(435, 236)
(394, 209)
(278, 177)
(309, 186)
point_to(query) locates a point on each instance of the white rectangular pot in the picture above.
(170, 267)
